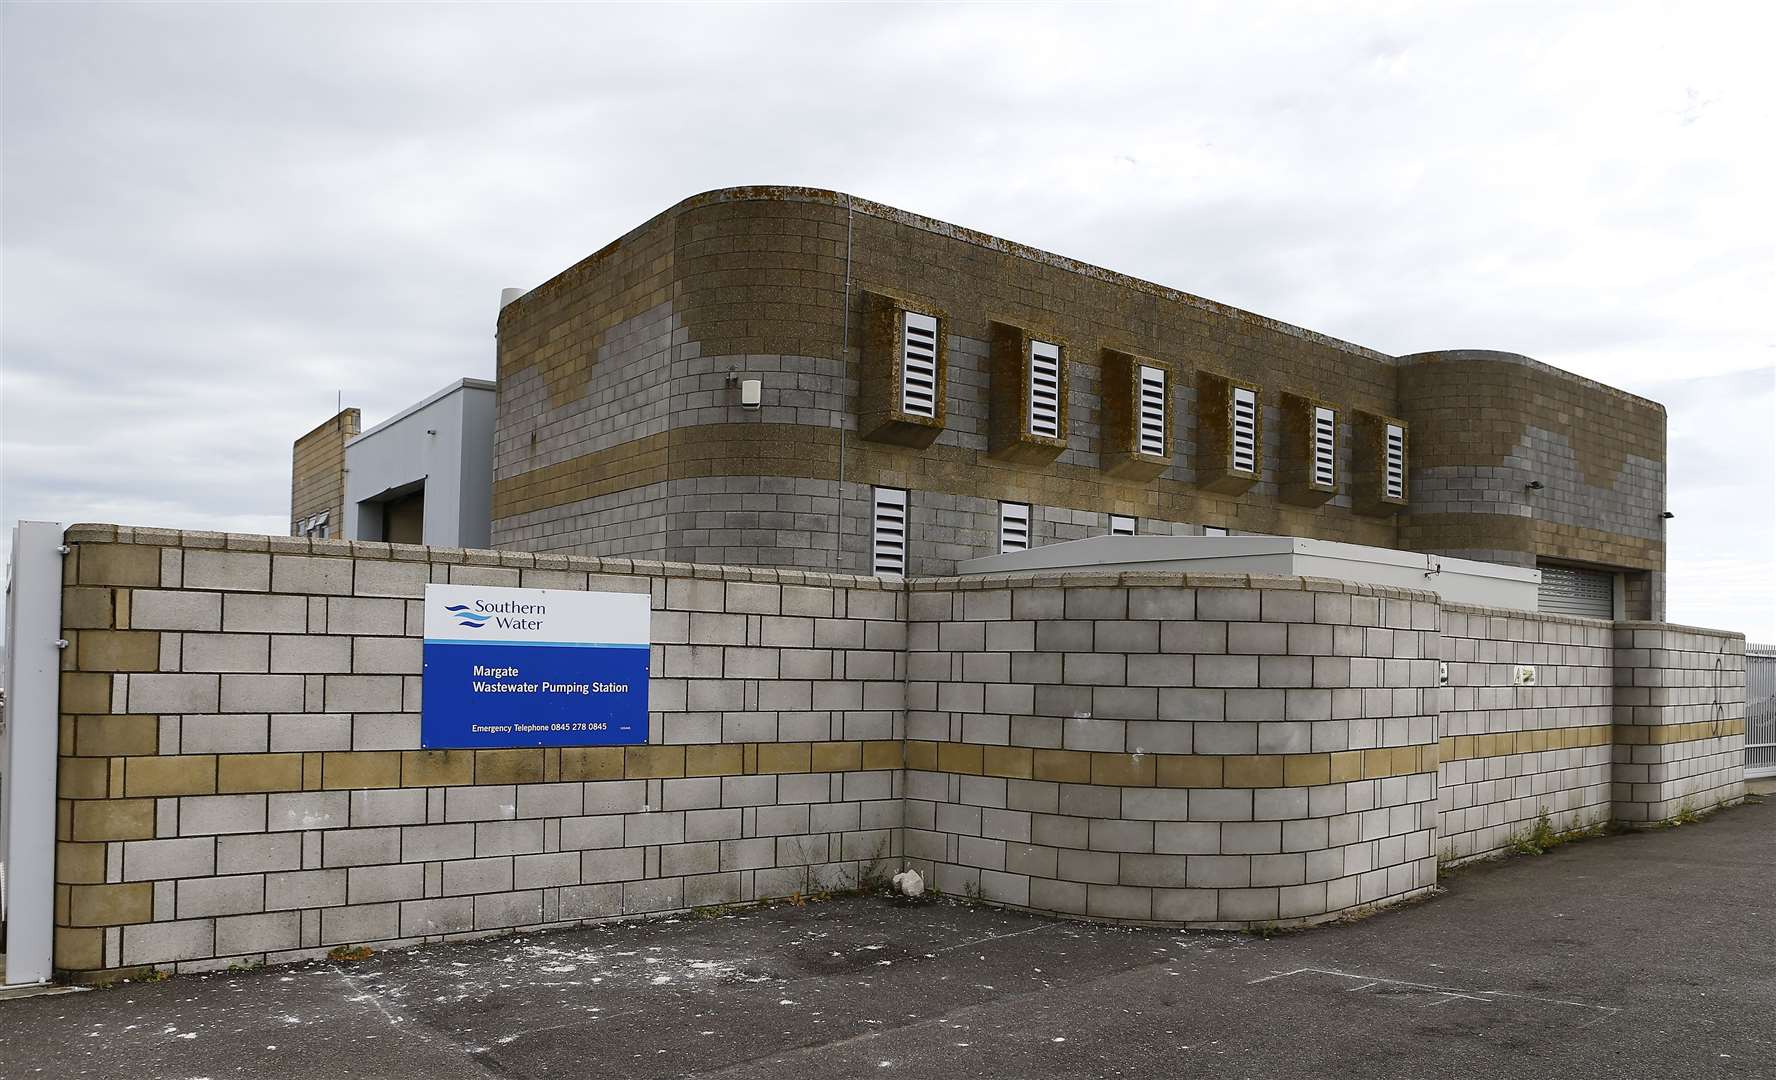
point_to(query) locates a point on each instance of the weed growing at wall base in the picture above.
(1542, 837)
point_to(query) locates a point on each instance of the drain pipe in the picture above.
(845, 414)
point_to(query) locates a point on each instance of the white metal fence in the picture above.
(1760, 710)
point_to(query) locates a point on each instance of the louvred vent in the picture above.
(1394, 463)
(1325, 443)
(889, 545)
(1244, 456)
(1045, 389)
(1014, 527)
(918, 365)
(1151, 438)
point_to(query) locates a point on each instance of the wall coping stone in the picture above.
(98, 532)
(1680, 628)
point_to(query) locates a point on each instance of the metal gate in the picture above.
(1760, 711)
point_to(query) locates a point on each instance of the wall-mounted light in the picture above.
(1668, 515)
(1534, 485)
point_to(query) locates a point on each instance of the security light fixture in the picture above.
(1668, 515)
(1534, 485)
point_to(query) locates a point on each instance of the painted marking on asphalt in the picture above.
(1444, 994)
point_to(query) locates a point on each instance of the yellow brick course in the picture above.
(650, 762)
(111, 819)
(116, 736)
(361, 769)
(517, 766)
(110, 905)
(192, 774)
(440, 768)
(236, 773)
(592, 763)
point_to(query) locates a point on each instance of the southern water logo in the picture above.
(466, 617)
(504, 614)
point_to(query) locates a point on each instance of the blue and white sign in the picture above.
(533, 667)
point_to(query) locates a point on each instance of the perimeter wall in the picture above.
(241, 778)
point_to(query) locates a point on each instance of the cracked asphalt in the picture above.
(1647, 955)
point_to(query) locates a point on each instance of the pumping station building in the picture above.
(801, 539)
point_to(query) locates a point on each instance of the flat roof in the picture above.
(459, 385)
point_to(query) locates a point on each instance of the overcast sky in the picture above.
(217, 217)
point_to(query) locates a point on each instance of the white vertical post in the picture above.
(28, 752)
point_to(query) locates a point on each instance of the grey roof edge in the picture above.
(431, 399)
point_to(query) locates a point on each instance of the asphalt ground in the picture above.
(1645, 955)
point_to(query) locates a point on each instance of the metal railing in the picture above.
(1760, 711)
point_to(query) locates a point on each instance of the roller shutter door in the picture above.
(1568, 590)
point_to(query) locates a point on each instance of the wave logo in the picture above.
(466, 617)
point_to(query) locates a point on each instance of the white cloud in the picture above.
(216, 217)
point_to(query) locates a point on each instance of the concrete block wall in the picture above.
(1206, 750)
(241, 777)
(1511, 753)
(1679, 707)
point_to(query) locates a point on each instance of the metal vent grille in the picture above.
(1045, 389)
(1569, 590)
(1122, 525)
(888, 551)
(1394, 478)
(1014, 527)
(918, 365)
(1325, 457)
(1152, 439)
(1244, 457)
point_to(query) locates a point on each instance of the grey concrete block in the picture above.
(386, 655)
(240, 734)
(508, 837)
(611, 864)
(227, 570)
(257, 853)
(360, 847)
(376, 884)
(211, 814)
(225, 652)
(360, 923)
(210, 896)
(152, 609)
(305, 889)
(614, 796)
(167, 942)
(310, 575)
(377, 578)
(441, 915)
(390, 806)
(261, 694)
(307, 810)
(385, 731)
(361, 693)
(310, 731)
(430, 843)
(550, 870)
(257, 613)
(152, 693)
(466, 876)
(359, 616)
